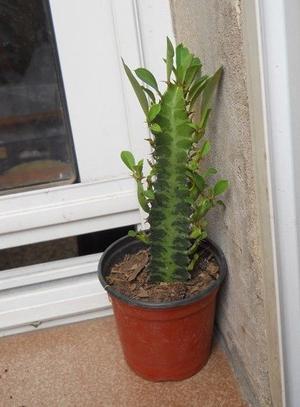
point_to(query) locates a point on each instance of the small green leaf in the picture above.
(155, 128)
(141, 197)
(196, 232)
(196, 90)
(149, 93)
(149, 194)
(210, 171)
(169, 60)
(204, 206)
(199, 181)
(183, 61)
(147, 77)
(192, 125)
(205, 148)
(139, 169)
(132, 233)
(137, 88)
(140, 164)
(143, 237)
(209, 90)
(192, 71)
(153, 112)
(196, 85)
(128, 159)
(178, 55)
(204, 119)
(192, 165)
(221, 186)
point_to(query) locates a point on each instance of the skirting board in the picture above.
(51, 294)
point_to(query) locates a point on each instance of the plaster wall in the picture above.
(213, 30)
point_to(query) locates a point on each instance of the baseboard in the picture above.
(51, 294)
(239, 370)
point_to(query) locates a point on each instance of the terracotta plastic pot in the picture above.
(163, 341)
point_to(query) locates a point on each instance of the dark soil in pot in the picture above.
(130, 277)
(123, 272)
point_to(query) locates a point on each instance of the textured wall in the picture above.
(213, 30)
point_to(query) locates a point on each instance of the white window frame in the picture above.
(64, 291)
(100, 201)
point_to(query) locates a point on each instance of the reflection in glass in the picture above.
(36, 146)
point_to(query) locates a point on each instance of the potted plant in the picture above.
(163, 282)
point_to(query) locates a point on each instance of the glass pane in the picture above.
(36, 146)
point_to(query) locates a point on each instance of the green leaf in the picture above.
(196, 232)
(196, 90)
(199, 181)
(204, 207)
(178, 55)
(183, 61)
(137, 88)
(192, 71)
(139, 169)
(204, 119)
(192, 165)
(149, 93)
(132, 233)
(153, 111)
(210, 171)
(147, 77)
(205, 148)
(155, 128)
(143, 237)
(128, 159)
(149, 194)
(169, 60)
(141, 197)
(221, 186)
(209, 90)
(192, 125)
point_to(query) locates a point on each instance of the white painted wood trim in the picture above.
(280, 43)
(139, 32)
(91, 41)
(67, 210)
(50, 294)
(68, 291)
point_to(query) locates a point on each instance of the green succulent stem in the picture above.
(176, 193)
(169, 217)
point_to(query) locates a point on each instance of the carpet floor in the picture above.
(81, 365)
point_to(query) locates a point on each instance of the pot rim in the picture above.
(217, 252)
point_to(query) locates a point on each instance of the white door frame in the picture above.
(279, 33)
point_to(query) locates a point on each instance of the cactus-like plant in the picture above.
(176, 193)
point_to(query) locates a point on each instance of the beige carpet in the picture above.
(81, 365)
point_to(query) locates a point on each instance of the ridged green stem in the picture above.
(169, 217)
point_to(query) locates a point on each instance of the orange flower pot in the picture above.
(163, 341)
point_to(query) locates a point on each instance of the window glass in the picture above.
(36, 147)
